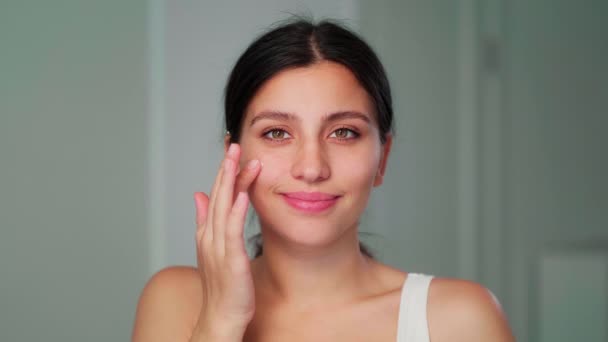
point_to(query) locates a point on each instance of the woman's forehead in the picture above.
(315, 91)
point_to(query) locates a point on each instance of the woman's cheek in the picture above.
(357, 167)
(273, 169)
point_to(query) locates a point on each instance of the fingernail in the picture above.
(253, 164)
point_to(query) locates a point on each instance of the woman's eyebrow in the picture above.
(282, 116)
(349, 114)
(274, 115)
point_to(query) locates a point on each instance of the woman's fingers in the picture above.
(246, 176)
(201, 202)
(235, 243)
(221, 207)
(223, 201)
(213, 195)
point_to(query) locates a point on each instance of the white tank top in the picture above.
(412, 323)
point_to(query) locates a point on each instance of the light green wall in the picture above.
(416, 210)
(73, 243)
(556, 153)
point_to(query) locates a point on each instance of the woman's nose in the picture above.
(311, 164)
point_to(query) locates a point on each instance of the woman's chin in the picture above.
(304, 233)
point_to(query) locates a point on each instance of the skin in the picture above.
(312, 282)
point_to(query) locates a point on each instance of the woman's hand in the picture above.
(227, 284)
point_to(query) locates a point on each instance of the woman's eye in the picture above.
(276, 134)
(344, 133)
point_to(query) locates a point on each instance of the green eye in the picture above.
(276, 134)
(344, 133)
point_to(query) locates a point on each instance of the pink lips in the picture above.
(311, 202)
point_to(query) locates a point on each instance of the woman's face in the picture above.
(315, 131)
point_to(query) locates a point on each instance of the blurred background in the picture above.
(111, 117)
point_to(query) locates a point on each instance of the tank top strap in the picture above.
(412, 322)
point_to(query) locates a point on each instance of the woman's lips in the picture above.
(311, 202)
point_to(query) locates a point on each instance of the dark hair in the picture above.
(300, 43)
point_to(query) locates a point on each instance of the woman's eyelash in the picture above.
(264, 135)
(348, 130)
(354, 133)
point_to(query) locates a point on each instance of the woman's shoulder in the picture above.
(462, 310)
(168, 305)
(177, 280)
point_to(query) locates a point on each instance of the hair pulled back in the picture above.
(301, 43)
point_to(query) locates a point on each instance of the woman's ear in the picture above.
(386, 150)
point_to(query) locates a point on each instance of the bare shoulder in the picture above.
(460, 310)
(168, 305)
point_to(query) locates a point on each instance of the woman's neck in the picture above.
(307, 278)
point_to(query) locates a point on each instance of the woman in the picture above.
(309, 119)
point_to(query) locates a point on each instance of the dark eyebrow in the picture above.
(274, 115)
(346, 115)
(282, 116)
